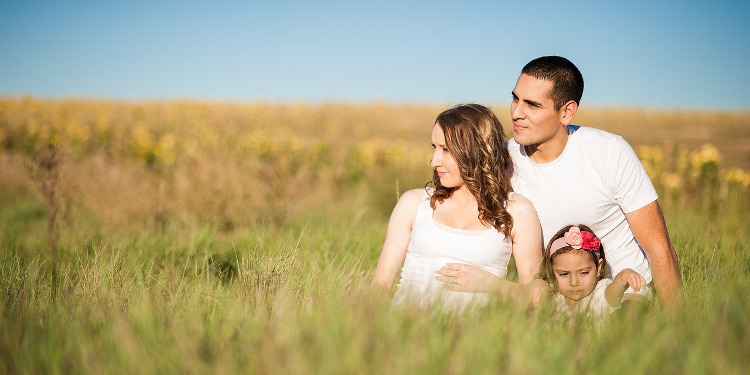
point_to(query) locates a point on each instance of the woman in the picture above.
(468, 215)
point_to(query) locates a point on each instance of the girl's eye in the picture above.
(585, 273)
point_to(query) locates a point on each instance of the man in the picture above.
(580, 175)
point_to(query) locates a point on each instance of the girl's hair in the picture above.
(475, 139)
(556, 248)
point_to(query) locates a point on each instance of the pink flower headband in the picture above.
(576, 239)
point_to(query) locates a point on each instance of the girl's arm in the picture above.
(396, 241)
(626, 278)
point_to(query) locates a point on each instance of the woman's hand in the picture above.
(533, 293)
(460, 277)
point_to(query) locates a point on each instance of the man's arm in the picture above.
(650, 230)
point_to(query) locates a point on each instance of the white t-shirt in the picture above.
(433, 245)
(595, 181)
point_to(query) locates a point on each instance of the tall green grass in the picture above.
(293, 300)
(179, 268)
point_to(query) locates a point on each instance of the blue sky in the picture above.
(650, 54)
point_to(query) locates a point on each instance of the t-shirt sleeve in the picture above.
(631, 186)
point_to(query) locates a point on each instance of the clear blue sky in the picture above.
(651, 54)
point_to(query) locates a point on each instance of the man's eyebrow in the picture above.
(532, 103)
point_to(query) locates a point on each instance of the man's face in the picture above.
(535, 120)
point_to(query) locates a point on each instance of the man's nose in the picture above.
(516, 111)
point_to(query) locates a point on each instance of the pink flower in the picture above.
(590, 242)
(573, 237)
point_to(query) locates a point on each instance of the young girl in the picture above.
(468, 215)
(574, 266)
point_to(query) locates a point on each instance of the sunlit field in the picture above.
(187, 237)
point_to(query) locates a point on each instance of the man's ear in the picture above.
(568, 112)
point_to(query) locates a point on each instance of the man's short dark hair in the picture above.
(567, 81)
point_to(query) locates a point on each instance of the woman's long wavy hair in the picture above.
(475, 139)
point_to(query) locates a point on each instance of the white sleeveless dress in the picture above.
(432, 246)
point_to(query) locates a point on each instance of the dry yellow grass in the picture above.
(147, 164)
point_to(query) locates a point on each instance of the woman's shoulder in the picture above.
(523, 213)
(413, 197)
(518, 204)
(415, 194)
(407, 205)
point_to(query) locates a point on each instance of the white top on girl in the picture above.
(593, 306)
(432, 246)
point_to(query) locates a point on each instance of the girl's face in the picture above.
(443, 162)
(575, 273)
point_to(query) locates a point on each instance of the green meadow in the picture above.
(186, 237)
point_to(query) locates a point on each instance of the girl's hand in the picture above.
(628, 277)
(460, 277)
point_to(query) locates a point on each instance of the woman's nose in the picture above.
(435, 161)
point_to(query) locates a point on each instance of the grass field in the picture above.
(228, 238)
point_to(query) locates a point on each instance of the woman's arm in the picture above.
(527, 238)
(397, 240)
(626, 278)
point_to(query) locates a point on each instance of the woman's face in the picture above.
(575, 273)
(443, 162)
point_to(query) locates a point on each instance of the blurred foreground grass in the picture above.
(218, 238)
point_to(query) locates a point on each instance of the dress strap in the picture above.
(424, 209)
